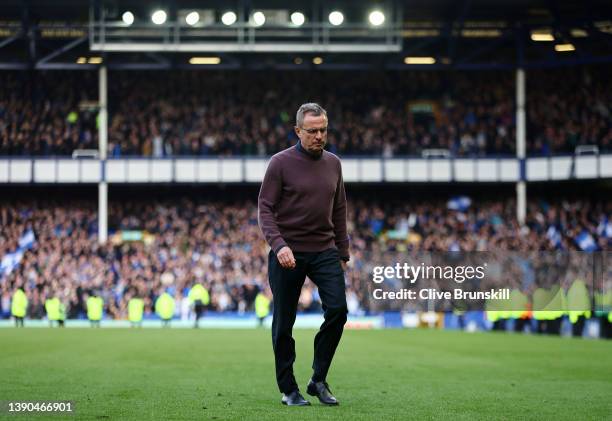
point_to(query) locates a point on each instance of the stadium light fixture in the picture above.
(564, 47)
(258, 18)
(204, 60)
(229, 18)
(127, 18)
(376, 18)
(542, 36)
(481, 33)
(317, 60)
(579, 33)
(420, 33)
(95, 60)
(336, 18)
(298, 18)
(192, 18)
(159, 17)
(81, 60)
(419, 60)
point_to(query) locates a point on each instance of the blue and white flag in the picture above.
(11, 260)
(554, 236)
(605, 228)
(27, 240)
(459, 203)
(585, 241)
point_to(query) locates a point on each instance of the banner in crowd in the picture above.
(11, 260)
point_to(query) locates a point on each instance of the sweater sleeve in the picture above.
(269, 195)
(339, 218)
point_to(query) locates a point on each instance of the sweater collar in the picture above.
(311, 155)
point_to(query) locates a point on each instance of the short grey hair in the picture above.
(308, 108)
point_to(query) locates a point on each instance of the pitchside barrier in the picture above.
(471, 321)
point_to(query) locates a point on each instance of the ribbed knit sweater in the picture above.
(302, 202)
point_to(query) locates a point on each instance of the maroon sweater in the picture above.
(302, 202)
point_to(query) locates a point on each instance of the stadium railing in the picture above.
(251, 170)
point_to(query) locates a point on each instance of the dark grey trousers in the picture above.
(324, 269)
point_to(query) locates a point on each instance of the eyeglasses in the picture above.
(312, 131)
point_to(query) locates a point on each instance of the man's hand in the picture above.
(344, 265)
(285, 258)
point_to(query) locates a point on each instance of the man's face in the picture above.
(313, 133)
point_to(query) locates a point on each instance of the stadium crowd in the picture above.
(251, 112)
(218, 243)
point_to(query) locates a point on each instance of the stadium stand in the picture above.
(176, 242)
(372, 113)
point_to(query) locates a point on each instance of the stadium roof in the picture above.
(540, 11)
(460, 34)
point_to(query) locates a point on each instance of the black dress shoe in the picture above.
(321, 391)
(294, 399)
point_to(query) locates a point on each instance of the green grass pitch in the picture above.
(179, 374)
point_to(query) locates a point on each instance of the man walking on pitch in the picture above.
(302, 214)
